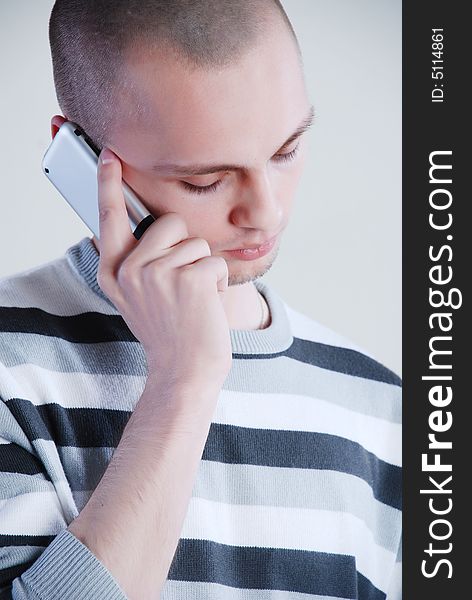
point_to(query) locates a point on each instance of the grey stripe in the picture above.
(196, 590)
(9, 427)
(81, 497)
(48, 454)
(19, 483)
(287, 376)
(284, 376)
(114, 358)
(11, 556)
(257, 485)
(84, 467)
(300, 488)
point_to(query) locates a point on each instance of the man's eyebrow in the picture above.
(200, 169)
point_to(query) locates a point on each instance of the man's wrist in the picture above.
(179, 403)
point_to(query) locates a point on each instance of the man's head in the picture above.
(191, 83)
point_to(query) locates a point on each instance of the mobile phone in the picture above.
(70, 164)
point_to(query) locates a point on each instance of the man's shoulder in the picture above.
(32, 280)
(45, 311)
(328, 349)
(53, 287)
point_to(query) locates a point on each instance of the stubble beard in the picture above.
(246, 271)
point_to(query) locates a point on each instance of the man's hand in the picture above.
(167, 287)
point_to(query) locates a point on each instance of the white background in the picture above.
(340, 257)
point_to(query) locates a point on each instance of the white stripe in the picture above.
(291, 528)
(304, 413)
(209, 590)
(73, 390)
(394, 591)
(35, 513)
(307, 328)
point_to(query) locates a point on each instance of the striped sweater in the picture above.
(298, 492)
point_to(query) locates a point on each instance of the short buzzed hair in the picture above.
(90, 40)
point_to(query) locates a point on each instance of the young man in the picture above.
(171, 428)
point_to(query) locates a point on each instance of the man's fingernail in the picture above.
(106, 156)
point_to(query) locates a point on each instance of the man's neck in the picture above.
(243, 307)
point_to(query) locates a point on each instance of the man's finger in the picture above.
(216, 267)
(116, 238)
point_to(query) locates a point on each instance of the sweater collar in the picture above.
(83, 257)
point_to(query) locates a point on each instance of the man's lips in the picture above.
(259, 246)
(253, 252)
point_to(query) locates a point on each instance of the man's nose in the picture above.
(257, 205)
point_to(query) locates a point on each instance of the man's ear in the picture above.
(56, 122)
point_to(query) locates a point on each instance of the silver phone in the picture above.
(70, 164)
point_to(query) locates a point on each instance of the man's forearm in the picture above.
(133, 520)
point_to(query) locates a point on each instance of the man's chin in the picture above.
(247, 271)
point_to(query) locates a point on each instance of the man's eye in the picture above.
(205, 189)
(287, 156)
(201, 189)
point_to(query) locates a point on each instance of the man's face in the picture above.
(232, 124)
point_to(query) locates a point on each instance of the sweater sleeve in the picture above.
(39, 557)
(67, 570)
